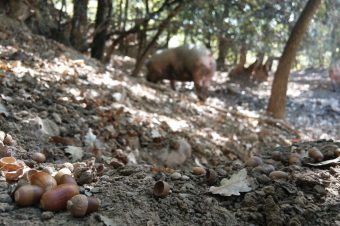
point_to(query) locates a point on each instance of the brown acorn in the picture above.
(62, 172)
(315, 154)
(253, 161)
(56, 198)
(27, 195)
(278, 175)
(39, 157)
(66, 179)
(43, 179)
(81, 205)
(197, 170)
(276, 155)
(294, 159)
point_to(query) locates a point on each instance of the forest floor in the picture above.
(122, 132)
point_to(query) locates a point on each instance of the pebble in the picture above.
(269, 190)
(5, 207)
(5, 198)
(319, 189)
(95, 190)
(263, 179)
(185, 177)
(175, 176)
(47, 215)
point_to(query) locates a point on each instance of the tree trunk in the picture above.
(222, 51)
(278, 98)
(102, 20)
(243, 56)
(79, 25)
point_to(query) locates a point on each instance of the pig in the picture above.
(183, 63)
(334, 74)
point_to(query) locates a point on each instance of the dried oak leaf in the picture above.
(233, 186)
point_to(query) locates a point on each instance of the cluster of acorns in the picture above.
(55, 193)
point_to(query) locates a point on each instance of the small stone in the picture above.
(185, 177)
(319, 189)
(47, 215)
(2, 135)
(95, 190)
(5, 207)
(175, 176)
(269, 190)
(57, 118)
(263, 179)
(5, 198)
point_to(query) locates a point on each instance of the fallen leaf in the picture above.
(327, 162)
(233, 186)
(75, 152)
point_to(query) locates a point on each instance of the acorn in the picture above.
(294, 159)
(66, 179)
(62, 172)
(198, 170)
(43, 179)
(253, 161)
(56, 198)
(278, 175)
(81, 205)
(276, 155)
(315, 154)
(39, 157)
(28, 194)
(48, 169)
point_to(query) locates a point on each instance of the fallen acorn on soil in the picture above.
(61, 173)
(198, 170)
(67, 179)
(315, 154)
(81, 205)
(39, 157)
(28, 194)
(43, 179)
(253, 161)
(294, 159)
(278, 175)
(56, 198)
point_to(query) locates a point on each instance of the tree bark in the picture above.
(278, 98)
(222, 52)
(102, 19)
(79, 25)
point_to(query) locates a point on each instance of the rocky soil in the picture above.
(126, 134)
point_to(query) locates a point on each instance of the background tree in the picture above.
(277, 101)
(103, 16)
(79, 25)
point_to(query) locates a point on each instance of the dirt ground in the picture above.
(126, 134)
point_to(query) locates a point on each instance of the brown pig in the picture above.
(183, 63)
(334, 74)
